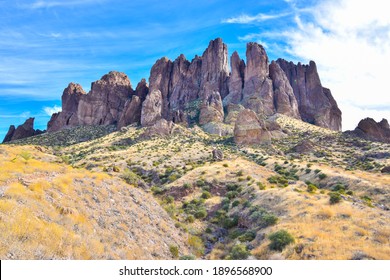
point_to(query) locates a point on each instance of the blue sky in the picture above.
(45, 44)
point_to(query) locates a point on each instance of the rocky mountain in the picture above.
(203, 91)
(22, 131)
(369, 129)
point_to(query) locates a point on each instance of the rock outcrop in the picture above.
(316, 103)
(284, 98)
(106, 100)
(69, 114)
(369, 129)
(200, 91)
(192, 91)
(249, 130)
(211, 109)
(152, 108)
(22, 131)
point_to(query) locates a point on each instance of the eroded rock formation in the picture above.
(22, 131)
(369, 129)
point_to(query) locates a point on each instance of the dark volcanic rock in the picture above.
(258, 89)
(197, 91)
(369, 129)
(69, 114)
(131, 112)
(284, 98)
(22, 131)
(386, 170)
(106, 100)
(236, 80)
(316, 104)
(10, 133)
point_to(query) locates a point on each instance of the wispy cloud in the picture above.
(50, 4)
(52, 110)
(246, 19)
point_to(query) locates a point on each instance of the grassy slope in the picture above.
(49, 210)
(238, 195)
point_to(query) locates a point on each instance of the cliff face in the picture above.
(316, 103)
(201, 91)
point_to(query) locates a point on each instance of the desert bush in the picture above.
(238, 252)
(206, 195)
(322, 176)
(174, 251)
(130, 177)
(247, 236)
(280, 239)
(334, 197)
(311, 188)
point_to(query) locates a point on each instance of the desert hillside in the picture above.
(133, 194)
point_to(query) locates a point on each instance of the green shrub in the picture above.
(206, 195)
(201, 213)
(187, 257)
(240, 173)
(115, 169)
(311, 188)
(225, 165)
(174, 251)
(130, 177)
(334, 197)
(169, 199)
(156, 190)
(200, 183)
(308, 170)
(317, 171)
(280, 239)
(322, 176)
(186, 185)
(231, 194)
(260, 185)
(235, 203)
(190, 219)
(238, 252)
(247, 236)
(339, 188)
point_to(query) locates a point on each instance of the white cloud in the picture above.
(350, 42)
(51, 110)
(245, 19)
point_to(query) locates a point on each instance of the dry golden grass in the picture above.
(51, 211)
(324, 231)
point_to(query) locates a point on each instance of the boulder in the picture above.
(386, 169)
(249, 130)
(161, 127)
(217, 155)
